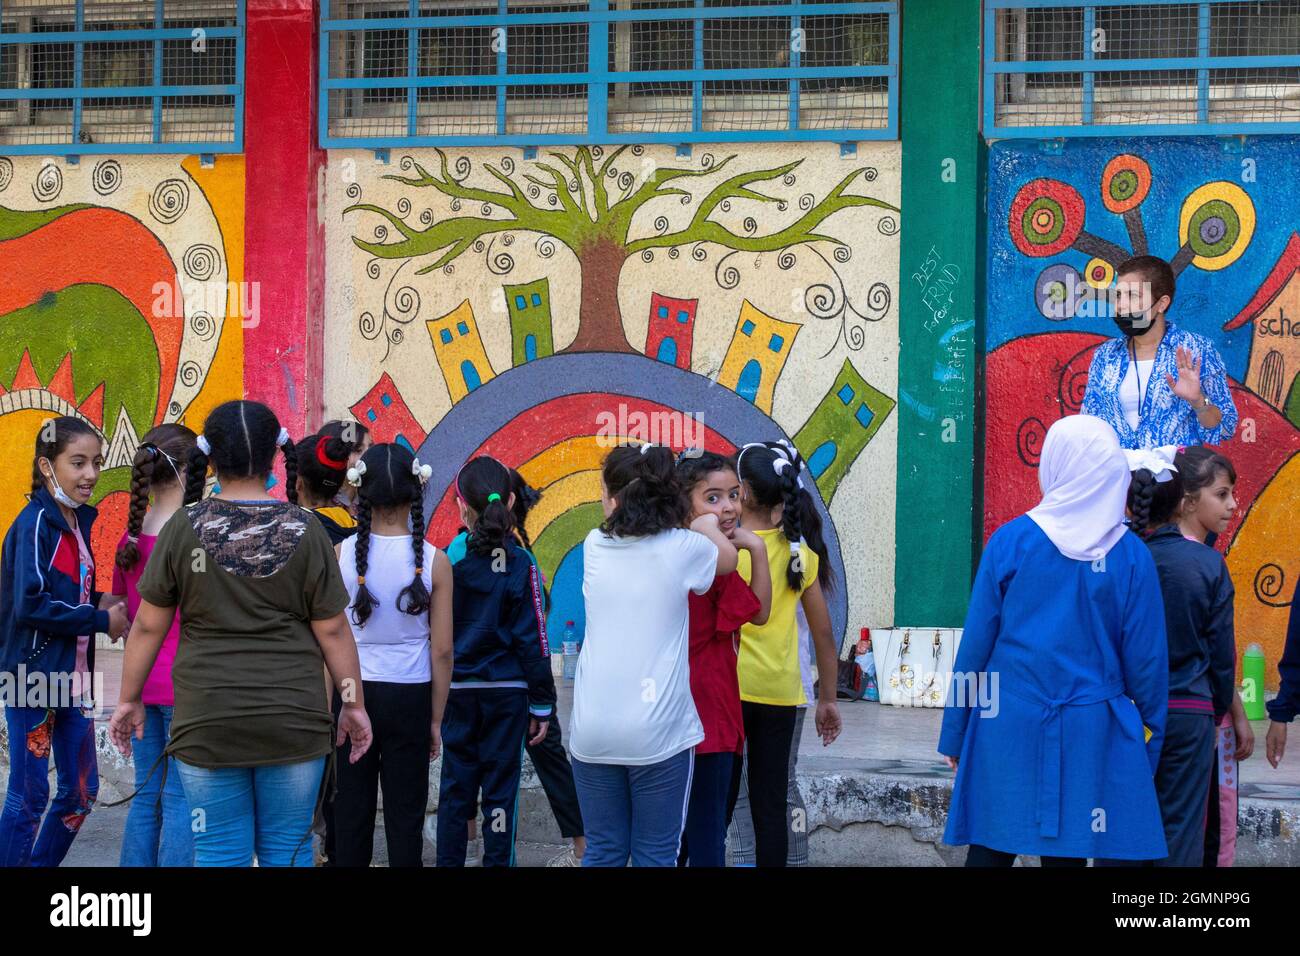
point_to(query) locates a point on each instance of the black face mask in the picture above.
(1133, 325)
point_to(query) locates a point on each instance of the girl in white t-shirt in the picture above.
(400, 586)
(634, 724)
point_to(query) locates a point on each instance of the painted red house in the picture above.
(672, 326)
(384, 412)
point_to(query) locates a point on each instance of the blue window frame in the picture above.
(537, 299)
(747, 327)
(663, 311)
(1115, 67)
(776, 343)
(864, 416)
(845, 393)
(683, 316)
(445, 335)
(386, 399)
(521, 302)
(78, 77)
(547, 72)
(462, 328)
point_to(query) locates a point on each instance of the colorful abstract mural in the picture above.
(120, 279)
(761, 283)
(1226, 218)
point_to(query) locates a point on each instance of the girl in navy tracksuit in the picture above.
(501, 684)
(1198, 597)
(47, 647)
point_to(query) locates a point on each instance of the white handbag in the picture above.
(914, 665)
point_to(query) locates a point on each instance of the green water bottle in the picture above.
(1252, 684)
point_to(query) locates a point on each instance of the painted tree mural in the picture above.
(588, 204)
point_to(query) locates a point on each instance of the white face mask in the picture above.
(57, 491)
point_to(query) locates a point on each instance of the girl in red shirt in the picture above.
(710, 482)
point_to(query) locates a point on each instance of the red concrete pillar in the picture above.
(284, 251)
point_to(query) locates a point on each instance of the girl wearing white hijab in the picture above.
(1062, 662)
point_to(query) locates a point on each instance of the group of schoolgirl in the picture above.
(234, 599)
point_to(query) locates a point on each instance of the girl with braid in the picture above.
(157, 829)
(778, 508)
(501, 684)
(323, 462)
(1176, 501)
(400, 587)
(261, 605)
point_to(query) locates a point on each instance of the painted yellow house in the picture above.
(459, 348)
(757, 353)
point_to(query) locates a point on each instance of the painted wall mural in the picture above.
(1226, 217)
(118, 279)
(540, 309)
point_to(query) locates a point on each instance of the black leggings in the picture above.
(769, 734)
(556, 774)
(983, 856)
(400, 717)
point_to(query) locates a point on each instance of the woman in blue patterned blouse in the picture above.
(1157, 384)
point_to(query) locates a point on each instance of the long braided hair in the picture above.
(772, 472)
(385, 478)
(157, 464)
(485, 485)
(242, 436)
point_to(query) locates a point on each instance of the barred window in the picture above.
(618, 70)
(1168, 66)
(120, 75)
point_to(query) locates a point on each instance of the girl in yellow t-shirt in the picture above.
(778, 508)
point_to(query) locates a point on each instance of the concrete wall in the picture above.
(121, 303)
(537, 309)
(1231, 208)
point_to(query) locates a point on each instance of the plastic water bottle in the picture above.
(570, 645)
(1252, 688)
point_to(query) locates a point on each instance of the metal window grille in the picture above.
(121, 76)
(533, 72)
(1116, 67)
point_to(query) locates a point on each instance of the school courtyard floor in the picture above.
(877, 796)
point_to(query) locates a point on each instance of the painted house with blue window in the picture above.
(529, 304)
(672, 323)
(840, 427)
(758, 351)
(459, 350)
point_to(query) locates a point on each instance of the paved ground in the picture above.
(893, 741)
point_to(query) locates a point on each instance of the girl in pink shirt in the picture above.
(158, 825)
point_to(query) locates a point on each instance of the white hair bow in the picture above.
(422, 472)
(203, 446)
(355, 473)
(282, 439)
(1158, 461)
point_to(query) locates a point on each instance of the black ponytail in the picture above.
(364, 604)
(388, 481)
(772, 470)
(1153, 504)
(151, 469)
(290, 471)
(642, 479)
(485, 485)
(526, 498)
(243, 438)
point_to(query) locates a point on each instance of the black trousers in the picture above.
(769, 734)
(556, 773)
(983, 856)
(398, 759)
(1183, 785)
(482, 750)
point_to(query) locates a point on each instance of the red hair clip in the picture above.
(332, 463)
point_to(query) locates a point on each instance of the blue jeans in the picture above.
(634, 811)
(239, 811)
(35, 733)
(158, 824)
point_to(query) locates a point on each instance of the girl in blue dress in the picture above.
(1062, 662)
